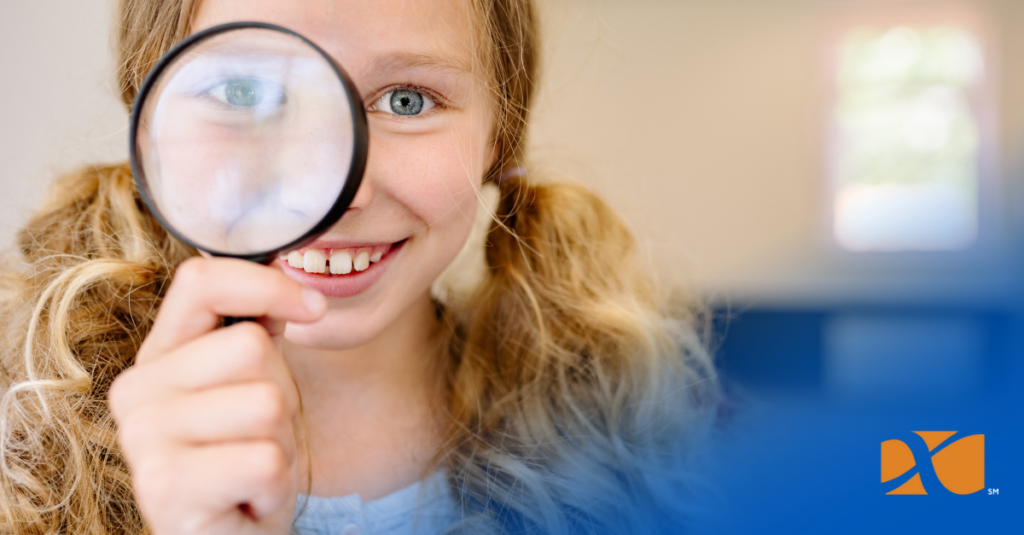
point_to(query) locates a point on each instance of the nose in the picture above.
(363, 195)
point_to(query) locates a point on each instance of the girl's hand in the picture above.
(206, 416)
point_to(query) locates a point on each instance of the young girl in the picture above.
(562, 392)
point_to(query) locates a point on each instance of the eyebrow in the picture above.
(400, 60)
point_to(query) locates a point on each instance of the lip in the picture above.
(321, 243)
(348, 285)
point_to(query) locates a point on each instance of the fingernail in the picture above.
(315, 301)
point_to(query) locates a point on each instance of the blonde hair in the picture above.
(573, 383)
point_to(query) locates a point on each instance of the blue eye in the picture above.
(248, 93)
(244, 92)
(404, 102)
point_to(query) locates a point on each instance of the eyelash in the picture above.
(439, 102)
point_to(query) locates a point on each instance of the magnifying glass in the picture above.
(248, 140)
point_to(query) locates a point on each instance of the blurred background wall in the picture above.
(785, 159)
(57, 105)
(717, 128)
(706, 122)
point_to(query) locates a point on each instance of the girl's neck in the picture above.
(372, 411)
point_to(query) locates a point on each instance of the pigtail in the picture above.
(95, 267)
(576, 382)
(579, 390)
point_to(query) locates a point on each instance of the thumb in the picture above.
(314, 301)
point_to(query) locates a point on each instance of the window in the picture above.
(907, 137)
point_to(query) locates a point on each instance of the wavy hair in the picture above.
(575, 386)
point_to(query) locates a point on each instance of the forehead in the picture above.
(365, 34)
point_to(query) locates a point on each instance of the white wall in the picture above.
(57, 106)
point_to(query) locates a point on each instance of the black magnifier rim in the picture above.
(355, 171)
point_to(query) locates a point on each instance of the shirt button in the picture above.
(351, 529)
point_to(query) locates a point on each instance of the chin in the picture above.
(338, 330)
(349, 325)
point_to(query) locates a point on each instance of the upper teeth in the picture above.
(361, 261)
(342, 261)
(314, 261)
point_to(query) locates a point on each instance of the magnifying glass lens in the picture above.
(245, 141)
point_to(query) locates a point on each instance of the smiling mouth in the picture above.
(338, 261)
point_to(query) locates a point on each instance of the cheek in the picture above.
(436, 178)
(441, 192)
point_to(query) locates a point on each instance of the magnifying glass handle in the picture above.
(231, 321)
(265, 260)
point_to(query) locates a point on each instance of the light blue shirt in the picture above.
(425, 507)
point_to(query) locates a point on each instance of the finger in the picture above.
(249, 411)
(204, 290)
(217, 479)
(237, 354)
(257, 473)
(275, 328)
(186, 423)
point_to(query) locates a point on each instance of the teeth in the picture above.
(341, 263)
(341, 260)
(314, 261)
(362, 261)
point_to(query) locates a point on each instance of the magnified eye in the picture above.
(247, 93)
(404, 102)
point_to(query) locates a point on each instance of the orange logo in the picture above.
(959, 465)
